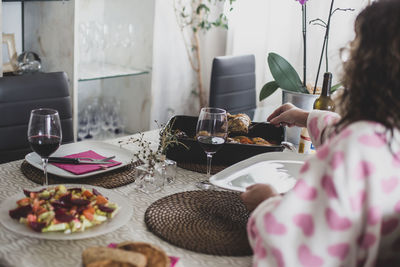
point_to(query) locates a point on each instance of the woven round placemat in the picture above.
(116, 178)
(208, 221)
(201, 168)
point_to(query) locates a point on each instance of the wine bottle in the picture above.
(324, 101)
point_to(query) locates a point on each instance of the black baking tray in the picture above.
(229, 153)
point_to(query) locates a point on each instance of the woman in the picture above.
(345, 207)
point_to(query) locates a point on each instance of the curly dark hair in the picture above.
(371, 76)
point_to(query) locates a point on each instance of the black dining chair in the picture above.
(18, 96)
(233, 84)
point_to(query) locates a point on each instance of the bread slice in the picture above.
(156, 257)
(119, 256)
(109, 263)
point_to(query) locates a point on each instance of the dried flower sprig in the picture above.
(168, 138)
(144, 153)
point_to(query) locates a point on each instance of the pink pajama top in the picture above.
(345, 208)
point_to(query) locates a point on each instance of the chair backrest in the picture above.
(233, 84)
(18, 96)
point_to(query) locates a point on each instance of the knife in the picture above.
(81, 160)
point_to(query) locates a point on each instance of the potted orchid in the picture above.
(285, 76)
(294, 90)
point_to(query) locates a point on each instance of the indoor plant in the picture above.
(285, 76)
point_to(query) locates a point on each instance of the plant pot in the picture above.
(303, 101)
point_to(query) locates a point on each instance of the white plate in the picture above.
(278, 169)
(121, 218)
(121, 155)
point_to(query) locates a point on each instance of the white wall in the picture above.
(11, 23)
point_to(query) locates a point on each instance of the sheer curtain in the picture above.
(260, 27)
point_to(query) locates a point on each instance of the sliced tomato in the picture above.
(90, 209)
(73, 210)
(31, 218)
(87, 194)
(88, 215)
(36, 205)
(24, 201)
(41, 210)
(101, 200)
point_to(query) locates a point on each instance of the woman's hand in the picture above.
(289, 115)
(257, 193)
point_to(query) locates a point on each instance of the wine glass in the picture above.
(211, 132)
(44, 134)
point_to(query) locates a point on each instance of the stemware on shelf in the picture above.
(100, 119)
(44, 134)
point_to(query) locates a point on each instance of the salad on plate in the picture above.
(62, 209)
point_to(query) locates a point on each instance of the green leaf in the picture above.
(268, 89)
(202, 25)
(335, 87)
(284, 74)
(202, 6)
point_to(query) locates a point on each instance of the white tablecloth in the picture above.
(18, 250)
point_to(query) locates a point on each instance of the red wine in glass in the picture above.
(44, 145)
(44, 134)
(210, 144)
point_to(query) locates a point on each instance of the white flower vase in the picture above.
(303, 101)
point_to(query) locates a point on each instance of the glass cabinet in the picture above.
(105, 47)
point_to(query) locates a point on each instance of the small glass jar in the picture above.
(149, 180)
(170, 171)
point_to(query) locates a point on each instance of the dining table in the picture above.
(20, 250)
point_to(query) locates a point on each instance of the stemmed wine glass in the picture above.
(44, 134)
(211, 133)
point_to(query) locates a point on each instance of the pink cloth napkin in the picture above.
(84, 168)
(174, 260)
